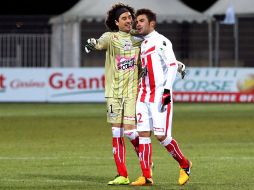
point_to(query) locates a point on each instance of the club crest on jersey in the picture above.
(125, 63)
(127, 45)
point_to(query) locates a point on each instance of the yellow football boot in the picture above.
(184, 174)
(119, 180)
(142, 181)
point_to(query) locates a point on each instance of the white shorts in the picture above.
(151, 118)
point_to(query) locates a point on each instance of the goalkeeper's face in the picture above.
(124, 22)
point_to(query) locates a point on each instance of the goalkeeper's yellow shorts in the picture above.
(121, 110)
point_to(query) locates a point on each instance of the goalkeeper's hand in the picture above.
(90, 45)
(181, 69)
(166, 98)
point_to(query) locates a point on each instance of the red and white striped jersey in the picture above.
(159, 67)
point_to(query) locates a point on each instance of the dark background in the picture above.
(55, 7)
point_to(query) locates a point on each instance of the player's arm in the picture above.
(137, 41)
(135, 33)
(167, 55)
(97, 44)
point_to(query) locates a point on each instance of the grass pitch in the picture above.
(68, 146)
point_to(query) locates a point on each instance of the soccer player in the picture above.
(121, 82)
(154, 108)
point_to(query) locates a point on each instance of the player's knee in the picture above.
(164, 140)
(144, 133)
(131, 134)
(160, 137)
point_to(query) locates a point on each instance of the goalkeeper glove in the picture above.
(181, 69)
(90, 45)
(166, 99)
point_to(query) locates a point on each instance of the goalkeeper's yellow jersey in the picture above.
(122, 63)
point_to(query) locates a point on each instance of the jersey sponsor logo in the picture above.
(124, 63)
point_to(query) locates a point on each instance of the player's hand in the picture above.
(181, 69)
(166, 97)
(90, 44)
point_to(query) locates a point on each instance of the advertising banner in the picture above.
(76, 85)
(215, 85)
(87, 85)
(52, 85)
(23, 85)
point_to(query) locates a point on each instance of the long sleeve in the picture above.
(167, 55)
(103, 41)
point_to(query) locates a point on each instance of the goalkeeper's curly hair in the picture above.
(111, 14)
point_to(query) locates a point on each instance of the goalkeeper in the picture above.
(121, 82)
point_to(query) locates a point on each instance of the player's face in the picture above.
(143, 26)
(124, 22)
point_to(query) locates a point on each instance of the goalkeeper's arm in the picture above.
(98, 44)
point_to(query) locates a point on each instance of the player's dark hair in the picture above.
(151, 16)
(114, 13)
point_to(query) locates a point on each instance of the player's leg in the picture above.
(162, 131)
(114, 116)
(145, 145)
(185, 165)
(131, 133)
(129, 122)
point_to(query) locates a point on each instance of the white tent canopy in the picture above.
(241, 7)
(66, 27)
(166, 10)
